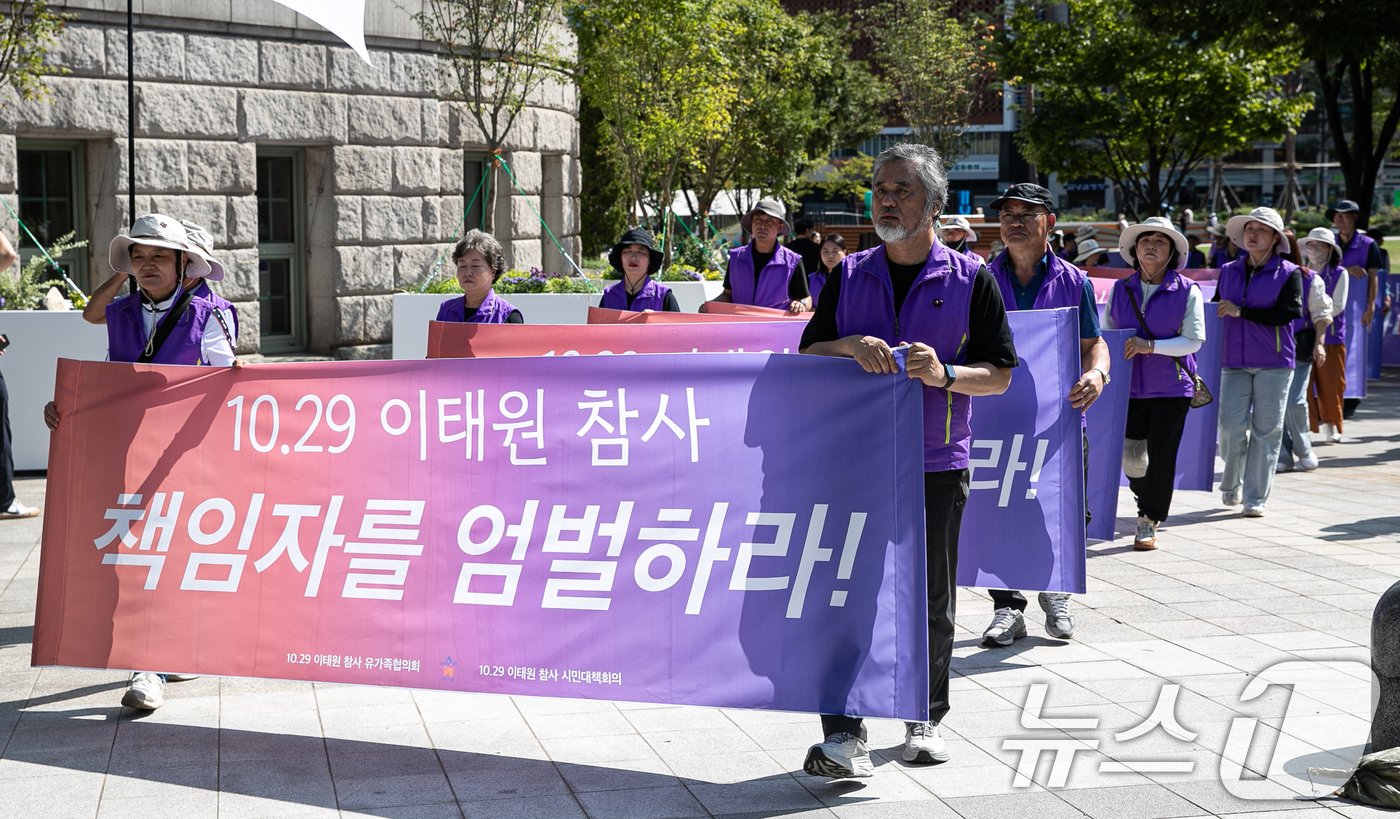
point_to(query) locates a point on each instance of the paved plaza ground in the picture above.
(1283, 602)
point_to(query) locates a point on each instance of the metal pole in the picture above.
(130, 115)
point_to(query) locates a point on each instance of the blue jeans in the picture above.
(1295, 416)
(1251, 428)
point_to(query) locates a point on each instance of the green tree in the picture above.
(1117, 98)
(27, 30)
(938, 63)
(603, 198)
(498, 53)
(1353, 46)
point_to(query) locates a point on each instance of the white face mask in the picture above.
(1318, 255)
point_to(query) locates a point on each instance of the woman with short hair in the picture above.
(480, 262)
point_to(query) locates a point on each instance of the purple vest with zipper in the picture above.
(772, 285)
(652, 296)
(1249, 344)
(493, 310)
(936, 313)
(1337, 330)
(126, 334)
(1357, 251)
(1063, 285)
(1156, 376)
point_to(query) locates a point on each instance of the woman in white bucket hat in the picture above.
(1323, 254)
(1259, 296)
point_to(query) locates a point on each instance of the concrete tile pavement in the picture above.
(1225, 606)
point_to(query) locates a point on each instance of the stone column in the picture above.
(1385, 662)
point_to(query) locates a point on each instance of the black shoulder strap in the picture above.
(165, 327)
(1132, 297)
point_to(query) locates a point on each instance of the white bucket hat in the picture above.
(202, 245)
(1085, 232)
(959, 222)
(1324, 236)
(1087, 248)
(1264, 216)
(1127, 241)
(156, 230)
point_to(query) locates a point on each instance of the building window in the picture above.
(281, 250)
(51, 201)
(475, 190)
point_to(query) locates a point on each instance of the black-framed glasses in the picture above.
(1024, 217)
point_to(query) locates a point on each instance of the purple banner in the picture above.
(1390, 344)
(1024, 523)
(1107, 419)
(1356, 339)
(1375, 340)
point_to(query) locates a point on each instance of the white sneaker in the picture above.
(1058, 623)
(1254, 510)
(923, 743)
(1145, 538)
(1330, 435)
(1308, 464)
(147, 691)
(842, 756)
(1283, 466)
(18, 510)
(1232, 497)
(1007, 625)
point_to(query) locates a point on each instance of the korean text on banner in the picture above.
(636, 528)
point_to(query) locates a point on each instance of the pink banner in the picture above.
(722, 308)
(595, 527)
(459, 340)
(602, 315)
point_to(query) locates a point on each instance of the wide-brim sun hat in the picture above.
(156, 230)
(771, 207)
(959, 222)
(636, 236)
(1216, 230)
(202, 245)
(1127, 241)
(1322, 235)
(1343, 206)
(1087, 248)
(1085, 232)
(1268, 217)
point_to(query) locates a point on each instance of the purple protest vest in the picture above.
(1219, 257)
(815, 282)
(1156, 376)
(126, 335)
(1357, 251)
(652, 296)
(1337, 330)
(493, 310)
(204, 291)
(1063, 285)
(936, 313)
(772, 289)
(1249, 344)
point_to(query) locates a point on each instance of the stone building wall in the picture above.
(383, 155)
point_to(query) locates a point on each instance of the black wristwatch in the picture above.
(949, 374)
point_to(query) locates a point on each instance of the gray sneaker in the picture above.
(841, 756)
(146, 692)
(1007, 625)
(1231, 497)
(1058, 623)
(923, 743)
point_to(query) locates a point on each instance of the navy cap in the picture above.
(1026, 192)
(1343, 206)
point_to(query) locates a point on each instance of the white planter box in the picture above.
(38, 339)
(690, 295)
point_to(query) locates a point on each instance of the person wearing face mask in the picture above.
(480, 263)
(163, 322)
(1258, 296)
(763, 272)
(1329, 373)
(957, 233)
(636, 258)
(1308, 352)
(833, 250)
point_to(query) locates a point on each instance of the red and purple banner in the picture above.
(453, 339)
(638, 528)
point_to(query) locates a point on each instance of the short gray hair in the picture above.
(487, 246)
(928, 167)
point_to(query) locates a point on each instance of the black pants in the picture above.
(1160, 422)
(7, 458)
(1010, 599)
(945, 495)
(1349, 406)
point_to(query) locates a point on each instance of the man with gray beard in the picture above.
(945, 312)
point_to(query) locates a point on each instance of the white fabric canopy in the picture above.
(343, 18)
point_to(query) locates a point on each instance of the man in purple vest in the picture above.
(764, 273)
(1362, 259)
(944, 310)
(1032, 277)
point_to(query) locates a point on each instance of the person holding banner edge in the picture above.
(945, 311)
(1031, 277)
(1259, 296)
(635, 256)
(163, 322)
(481, 262)
(1168, 311)
(1329, 377)
(763, 272)
(1361, 257)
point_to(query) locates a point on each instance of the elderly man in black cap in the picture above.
(1362, 259)
(1032, 277)
(763, 272)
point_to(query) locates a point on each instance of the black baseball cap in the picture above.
(1344, 206)
(1026, 192)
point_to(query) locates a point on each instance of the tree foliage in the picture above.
(498, 53)
(1117, 98)
(27, 30)
(1353, 46)
(939, 64)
